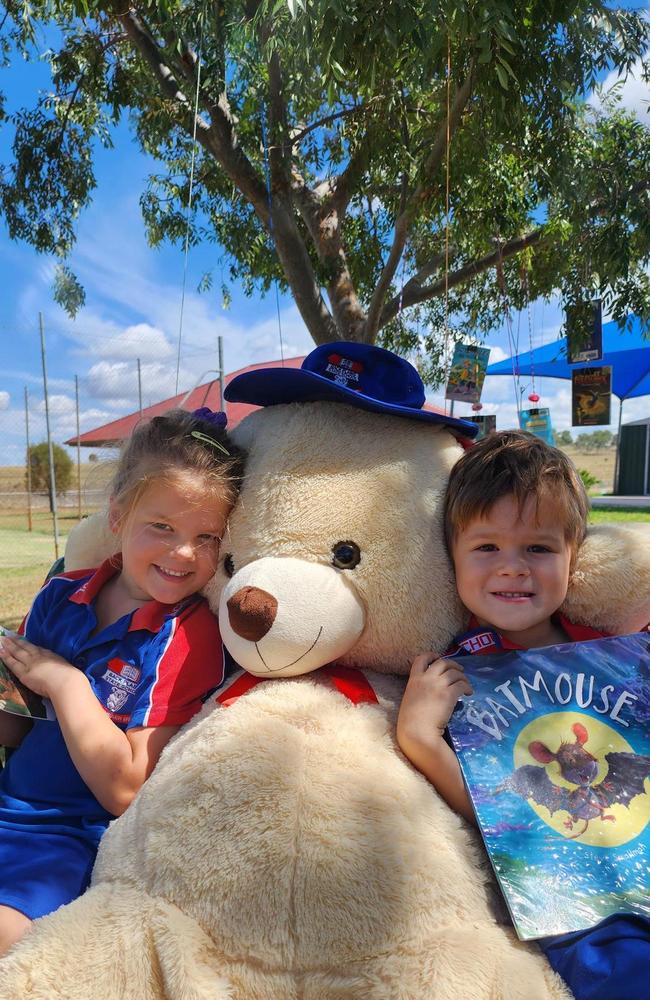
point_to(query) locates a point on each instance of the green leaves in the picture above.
(355, 97)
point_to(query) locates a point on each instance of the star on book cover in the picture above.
(554, 746)
(16, 698)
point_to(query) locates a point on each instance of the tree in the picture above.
(38, 457)
(390, 165)
(595, 440)
(564, 437)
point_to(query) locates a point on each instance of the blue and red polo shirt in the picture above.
(154, 666)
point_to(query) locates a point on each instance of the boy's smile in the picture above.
(512, 570)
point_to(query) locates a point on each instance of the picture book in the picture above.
(467, 373)
(17, 699)
(591, 396)
(554, 746)
(538, 422)
(486, 422)
(584, 331)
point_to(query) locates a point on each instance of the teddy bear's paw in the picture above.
(90, 542)
(99, 946)
(610, 588)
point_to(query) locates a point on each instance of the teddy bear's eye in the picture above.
(228, 565)
(346, 555)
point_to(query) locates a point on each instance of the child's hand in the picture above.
(39, 669)
(433, 689)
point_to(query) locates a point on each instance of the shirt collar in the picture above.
(491, 640)
(150, 616)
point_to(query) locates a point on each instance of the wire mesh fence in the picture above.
(34, 527)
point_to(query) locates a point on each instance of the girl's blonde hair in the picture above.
(178, 446)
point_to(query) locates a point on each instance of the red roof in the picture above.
(112, 434)
(208, 394)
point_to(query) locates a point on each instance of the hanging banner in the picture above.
(486, 423)
(538, 422)
(584, 332)
(467, 373)
(591, 396)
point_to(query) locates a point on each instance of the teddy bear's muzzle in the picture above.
(285, 616)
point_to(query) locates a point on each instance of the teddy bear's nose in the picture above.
(252, 612)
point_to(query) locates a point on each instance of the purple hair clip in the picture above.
(217, 419)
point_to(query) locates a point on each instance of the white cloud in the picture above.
(4, 400)
(139, 341)
(108, 380)
(58, 405)
(634, 91)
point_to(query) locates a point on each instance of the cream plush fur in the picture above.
(283, 849)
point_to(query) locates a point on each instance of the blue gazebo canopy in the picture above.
(624, 348)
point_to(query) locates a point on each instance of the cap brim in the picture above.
(273, 386)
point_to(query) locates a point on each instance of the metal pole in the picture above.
(29, 464)
(617, 459)
(221, 374)
(76, 395)
(139, 387)
(55, 520)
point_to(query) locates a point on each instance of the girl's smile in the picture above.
(170, 542)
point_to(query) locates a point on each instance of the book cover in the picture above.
(538, 422)
(591, 396)
(17, 699)
(584, 331)
(467, 373)
(486, 423)
(554, 746)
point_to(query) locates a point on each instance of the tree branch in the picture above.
(220, 141)
(407, 211)
(414, 293)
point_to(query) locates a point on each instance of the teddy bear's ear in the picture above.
(90, 542)
(610, 587)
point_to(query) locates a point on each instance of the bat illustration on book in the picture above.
(623, 782)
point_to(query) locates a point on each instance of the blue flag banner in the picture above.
(554, 746)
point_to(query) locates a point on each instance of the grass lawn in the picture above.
(604, 514)
(25, 558)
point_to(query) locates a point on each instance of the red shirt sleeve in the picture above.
(190, 666)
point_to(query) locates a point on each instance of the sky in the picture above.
(133, 308)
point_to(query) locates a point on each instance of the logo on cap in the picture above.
(343, 371)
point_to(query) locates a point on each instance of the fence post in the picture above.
(29, 464)
(76, 396)
(55, 522)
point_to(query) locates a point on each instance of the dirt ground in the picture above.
(598, 463)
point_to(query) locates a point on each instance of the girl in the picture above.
(125, 654)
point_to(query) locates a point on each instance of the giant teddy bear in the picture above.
(284, 849)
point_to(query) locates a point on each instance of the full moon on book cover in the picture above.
(556, 728)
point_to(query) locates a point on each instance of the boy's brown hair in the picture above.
(518, 464)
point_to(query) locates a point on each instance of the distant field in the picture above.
(599, 463)
(26, 556)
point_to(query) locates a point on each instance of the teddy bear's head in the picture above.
(334, 550)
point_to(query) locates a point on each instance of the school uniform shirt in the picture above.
(153, 667)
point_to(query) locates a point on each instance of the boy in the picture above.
(515, 516)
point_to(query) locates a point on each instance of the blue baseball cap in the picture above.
(344, 371)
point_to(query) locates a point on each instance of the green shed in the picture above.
(634, 459)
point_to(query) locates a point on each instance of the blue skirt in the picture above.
(608, 962)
